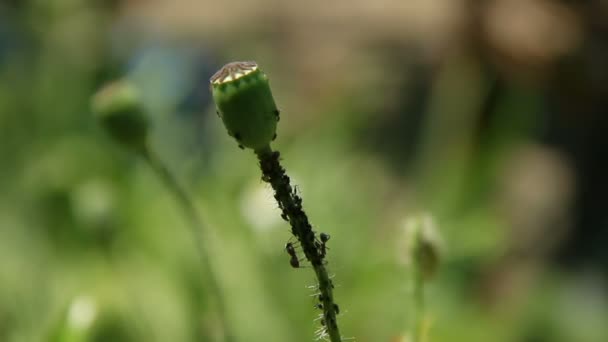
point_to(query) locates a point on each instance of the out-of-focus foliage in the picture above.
(490, 115)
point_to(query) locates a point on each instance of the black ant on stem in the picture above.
(322, 245)
(294, 261)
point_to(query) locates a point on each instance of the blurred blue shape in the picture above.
(172, 77)
(11, 37)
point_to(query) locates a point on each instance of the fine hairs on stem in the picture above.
(118, 108)
(245, 104)
(290, 204)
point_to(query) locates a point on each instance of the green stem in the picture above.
(291, 205)
(197, 228)
(418, 294)
(418, 280)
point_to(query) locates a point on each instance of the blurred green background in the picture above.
(490, 116)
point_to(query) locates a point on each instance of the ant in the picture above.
(322, 246)
(324, 237)
(294, 261)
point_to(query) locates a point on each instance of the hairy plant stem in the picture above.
(197, 228)
(291, 205)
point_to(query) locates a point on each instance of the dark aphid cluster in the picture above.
(314, 247)
(326, 317)
(320, 244)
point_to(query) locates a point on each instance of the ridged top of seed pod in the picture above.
(233, 71)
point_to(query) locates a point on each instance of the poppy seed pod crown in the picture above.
(244, 101)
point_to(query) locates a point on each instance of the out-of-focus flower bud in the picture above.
(423, 245)
(119, 109)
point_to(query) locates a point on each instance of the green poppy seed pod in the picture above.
(244, 102)
(119, 109)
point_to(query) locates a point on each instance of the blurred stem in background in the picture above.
(119, 109)
(446, 148)
(196, 229)
(419, 308)
(423, 247)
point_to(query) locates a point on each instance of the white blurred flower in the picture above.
(259, 208)
(82, 312)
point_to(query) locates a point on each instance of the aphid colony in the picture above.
(294, 261)
(320, 244)
(325, 319)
